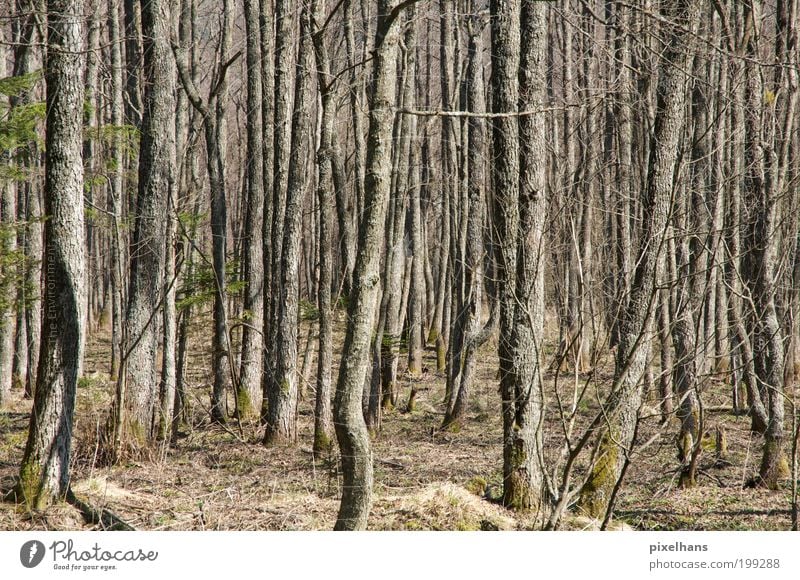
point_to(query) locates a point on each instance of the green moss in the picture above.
(244, 405)
(467, 526)
(477, 485)
(322, 442)
(597, 491)
(30, 485)
(412, 401)
(517, 492)
(441, 356)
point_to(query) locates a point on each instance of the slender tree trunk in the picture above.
(323, 414)
(133, 61)
(283, 393)
(351, 431)
(622, 408)
(249, 383)
(466, 336)
(169, 322)
(116, 191)
(267, 26)
(216, 153)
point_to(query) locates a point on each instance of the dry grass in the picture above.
(424, 478)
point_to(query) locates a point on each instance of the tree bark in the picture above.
(283, 392)
(523, 453)
(323, 414)
(45, 469)
(137, 388)
(466, 335)
(249, 383)
(351, 431)
(622, 408)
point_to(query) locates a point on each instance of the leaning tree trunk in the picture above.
(622, 409)
(351, 431)
(44, 473)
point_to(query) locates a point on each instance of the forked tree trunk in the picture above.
(137, 387)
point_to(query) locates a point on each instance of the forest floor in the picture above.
(222, 478)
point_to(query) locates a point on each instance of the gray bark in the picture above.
(137, 386)
(523, 460)
(45, 469)
(283, 392)
(506, 180)
(622, 408)
(351, 431)
(249, 383)
(323, 413)
(466, 333)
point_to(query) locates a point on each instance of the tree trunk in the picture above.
(351, 431)
(44, 473)
(282, 133)
(622, 408)
(137, 387)
(466, 336)
(249, 383)
(283, 393)
(323, 414)
(523, 458)
(506, 180)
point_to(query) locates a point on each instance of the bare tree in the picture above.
(137, 387)
(622, 408)
(351, 431)
(249, 383)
